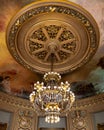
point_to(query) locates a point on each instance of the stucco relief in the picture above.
(25, 120)
(79, 119)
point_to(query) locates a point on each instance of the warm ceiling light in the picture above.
(52, 97)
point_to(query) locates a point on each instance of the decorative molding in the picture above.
(15, 101)
(41, 17)
(89, 102)
(79, 104)
(79, 118)
(25, 118)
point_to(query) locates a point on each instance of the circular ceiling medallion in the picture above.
(52, 27)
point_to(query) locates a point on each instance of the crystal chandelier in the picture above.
(52, 97)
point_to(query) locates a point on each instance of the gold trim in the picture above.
(56, 7)
(79, 104)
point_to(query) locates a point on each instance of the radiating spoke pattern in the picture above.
(59, 33)
(52, 39)
(36, 40)
(45, 33)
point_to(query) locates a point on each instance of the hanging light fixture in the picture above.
(58, 30)
(52, 97)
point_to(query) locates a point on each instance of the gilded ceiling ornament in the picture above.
(65, 26)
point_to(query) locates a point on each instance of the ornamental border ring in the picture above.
(72, 19)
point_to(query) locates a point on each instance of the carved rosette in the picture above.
(25, 120)
(59, 27)
(79, 120)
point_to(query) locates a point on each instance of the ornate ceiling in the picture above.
(62, 28)
(34, 30)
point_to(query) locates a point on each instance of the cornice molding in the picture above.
(89, 102)
(79, 104)
(15, 101)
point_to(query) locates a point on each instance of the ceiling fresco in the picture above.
(17, 80)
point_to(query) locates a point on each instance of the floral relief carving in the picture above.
(79, 119)
(25, 120)
(53, 24)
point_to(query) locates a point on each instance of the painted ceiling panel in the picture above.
(17, 80)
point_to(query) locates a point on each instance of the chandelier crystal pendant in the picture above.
(52, 97)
